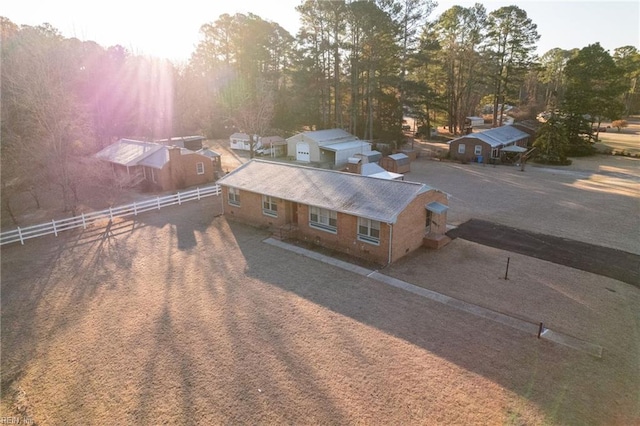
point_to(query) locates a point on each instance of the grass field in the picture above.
(181, 317)
(627, 139)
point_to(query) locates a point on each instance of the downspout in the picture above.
(390, 242)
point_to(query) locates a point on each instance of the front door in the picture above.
(294, 213)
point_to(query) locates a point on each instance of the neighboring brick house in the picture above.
(486, 145)
(166, 167)
(375, 219)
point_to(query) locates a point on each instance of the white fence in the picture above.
(84, 220)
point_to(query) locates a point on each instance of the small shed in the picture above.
(396, 163)
(369, 157)
(473, 121)
(243, 141)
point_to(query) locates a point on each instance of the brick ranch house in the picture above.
(166, 167)
(488, 144)
(379, 220)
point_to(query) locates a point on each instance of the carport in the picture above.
(511, 153)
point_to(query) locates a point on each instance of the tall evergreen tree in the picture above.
(511, 42)
(594, 85)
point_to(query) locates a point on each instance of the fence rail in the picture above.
(86, 219)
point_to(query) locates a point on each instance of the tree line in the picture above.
(357, 65)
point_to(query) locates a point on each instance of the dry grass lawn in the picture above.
(183, 318)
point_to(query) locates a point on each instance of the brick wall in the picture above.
(408, 232)
(346, 239)
(250, 210)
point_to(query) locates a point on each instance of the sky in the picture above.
(171, 29)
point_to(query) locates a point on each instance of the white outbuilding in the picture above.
(333, 146)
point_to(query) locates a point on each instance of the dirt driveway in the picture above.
(596, 200)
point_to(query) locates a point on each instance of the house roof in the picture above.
(207, 153)
(180, 139)
(128, 152)
(328, 136)
(159, 158)
(363, 196)
(242, 136)
(499, 136)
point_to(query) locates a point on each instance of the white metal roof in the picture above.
(328, 136)
(363, 196)
(344, 146)
(128, 152)
(375, 171)
(499, 136)
(370, 168)
(514, 148)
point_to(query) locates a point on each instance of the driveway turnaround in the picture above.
(519, 324)
(608, 262)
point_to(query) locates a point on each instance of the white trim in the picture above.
(323, 213)
(235, 200)
(368, 238)
(271, 202)
(200, 168)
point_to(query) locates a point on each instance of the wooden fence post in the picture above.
(135, 209)
(84, 223)
(20, 235)
(179, 201)
(55, 231)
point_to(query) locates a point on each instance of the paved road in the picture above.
(608, 262)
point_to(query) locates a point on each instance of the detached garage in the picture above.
(486, 145)
(332, 146)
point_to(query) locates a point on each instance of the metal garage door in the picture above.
(302, 152)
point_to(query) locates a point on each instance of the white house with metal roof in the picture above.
(377, 219)
(485, 145)
(331, 146)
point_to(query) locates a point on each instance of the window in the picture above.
(461, 148)
(269, 206)
(478, 150)
(369, 230)
(324, 219)
(494, 153)
(200, 168)
(234, 196)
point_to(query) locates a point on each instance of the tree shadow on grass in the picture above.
(555, 378)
